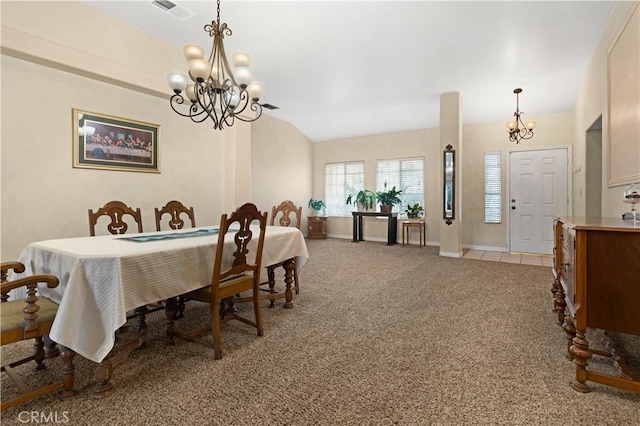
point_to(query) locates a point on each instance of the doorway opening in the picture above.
(593, 170)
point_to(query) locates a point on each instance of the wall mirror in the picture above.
(448, 205)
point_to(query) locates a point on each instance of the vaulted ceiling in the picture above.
(349, 68)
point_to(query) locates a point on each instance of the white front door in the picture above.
(538, 192)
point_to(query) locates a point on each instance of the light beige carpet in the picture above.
(379, 335)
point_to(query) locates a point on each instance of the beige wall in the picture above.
(553, 130)
(420, 143)
(281, 165)
(43, 197)
(591, 104)
(52, 61)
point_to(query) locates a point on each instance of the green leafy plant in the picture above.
(316, 204)
(413, 211)
(389, 197)
(365, 197)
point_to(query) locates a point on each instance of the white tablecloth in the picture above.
(101, 278)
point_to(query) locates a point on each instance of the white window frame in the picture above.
(340, 180)
(493, 187)
(403, 174)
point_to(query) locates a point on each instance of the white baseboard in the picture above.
(448, 254)
(485, 248)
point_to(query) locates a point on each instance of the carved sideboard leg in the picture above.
(559, 303)
(581, 353)
(570, 329)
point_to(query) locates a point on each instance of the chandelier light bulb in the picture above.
(199, 69)
(241, 59)
(256, 90)
(531, 125)
(177, 81)
(192, 51)
(243, 76)
(190, 91)
(232, 97)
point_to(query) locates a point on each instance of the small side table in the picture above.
(317, 227)
(415, 223)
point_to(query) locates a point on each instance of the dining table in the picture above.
(103, 278)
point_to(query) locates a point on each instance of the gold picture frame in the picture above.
(106, 142)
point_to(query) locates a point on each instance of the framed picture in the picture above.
(112, 143)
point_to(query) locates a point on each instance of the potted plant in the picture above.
(364, 200)
(388, 198)
(316, 206)
(414, 211)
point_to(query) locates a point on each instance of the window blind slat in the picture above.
(406, 175)
(492, 187)
(341, 179)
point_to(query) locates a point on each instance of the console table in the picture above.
(392, 226)
(597, 285)
(415, 223)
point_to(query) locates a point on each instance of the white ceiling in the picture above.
(351, 68)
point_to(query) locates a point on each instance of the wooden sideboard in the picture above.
(317, 227)
(597, 285)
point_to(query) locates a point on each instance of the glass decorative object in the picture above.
(632, 196)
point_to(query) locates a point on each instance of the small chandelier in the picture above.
(215, 91)
(517, 129)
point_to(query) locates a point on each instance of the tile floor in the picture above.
(496, 256)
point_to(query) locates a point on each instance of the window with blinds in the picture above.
(340, 180)
(407, 175)
(492, 187)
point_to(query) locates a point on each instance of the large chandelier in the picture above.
(517, 129)
(215, 91)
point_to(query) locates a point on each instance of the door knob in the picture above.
(513, 207)
(513, 200)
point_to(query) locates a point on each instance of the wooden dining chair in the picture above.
(175, 210)
(287, 214)
(247, 226)
(26, 319)
(117, 211)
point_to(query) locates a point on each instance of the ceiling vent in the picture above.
(269, 106)
(173, 9)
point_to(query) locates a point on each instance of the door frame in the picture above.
(569, 149)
